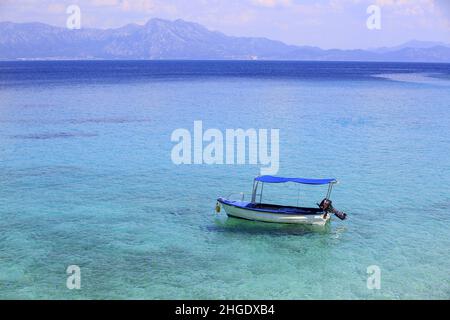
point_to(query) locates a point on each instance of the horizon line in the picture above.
(215, 60)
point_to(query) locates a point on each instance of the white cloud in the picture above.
(101, 3)
(56, 8)
(138, 5)
(272, 3)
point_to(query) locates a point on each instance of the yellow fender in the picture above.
(217, 207)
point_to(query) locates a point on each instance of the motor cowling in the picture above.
(341, 215)
(326, 206)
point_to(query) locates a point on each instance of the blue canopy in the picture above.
(273, 179)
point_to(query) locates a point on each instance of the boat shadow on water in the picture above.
(242, 226)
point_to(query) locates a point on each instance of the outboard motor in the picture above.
(341, 215)
(326, 205)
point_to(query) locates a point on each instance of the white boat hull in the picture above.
(311, 219)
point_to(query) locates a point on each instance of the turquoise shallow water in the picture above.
(86, 178)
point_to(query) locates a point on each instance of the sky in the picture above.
(323, 23)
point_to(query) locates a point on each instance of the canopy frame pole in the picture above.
(260, 195)
(255, 187)
(330, 188)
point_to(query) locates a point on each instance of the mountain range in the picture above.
(163, 39)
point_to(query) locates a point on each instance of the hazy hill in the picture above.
(179, 39)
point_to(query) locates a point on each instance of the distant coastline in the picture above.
(162, 39)
(216, 60)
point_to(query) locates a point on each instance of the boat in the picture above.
(256, 210)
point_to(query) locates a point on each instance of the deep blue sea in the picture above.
(86, 179)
